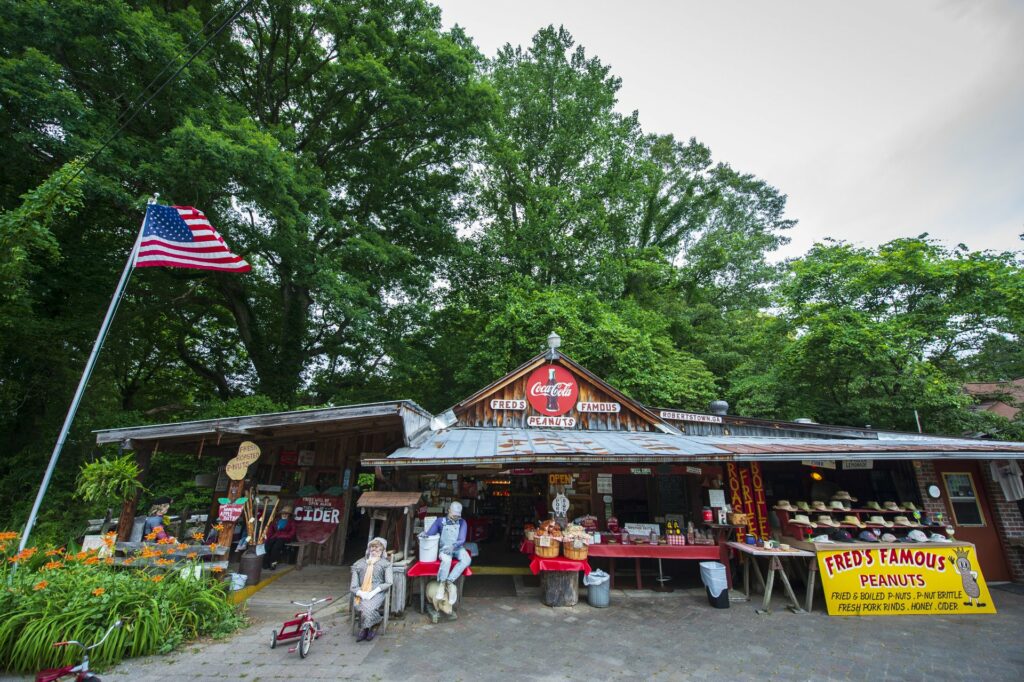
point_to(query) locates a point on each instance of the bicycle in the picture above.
(80, 672)
(303, 626)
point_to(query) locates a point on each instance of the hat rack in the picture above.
(786, 512)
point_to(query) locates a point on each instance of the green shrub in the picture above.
(55, 595)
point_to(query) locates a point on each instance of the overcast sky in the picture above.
(879, 119)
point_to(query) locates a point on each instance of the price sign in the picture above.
(560, 505)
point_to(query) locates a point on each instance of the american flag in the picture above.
(182, 237)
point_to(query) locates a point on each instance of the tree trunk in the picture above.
(124, 524)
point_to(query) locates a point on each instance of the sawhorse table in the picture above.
(748, 557)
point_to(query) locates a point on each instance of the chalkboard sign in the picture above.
(672, 495)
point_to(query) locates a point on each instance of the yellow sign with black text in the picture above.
(903, 580)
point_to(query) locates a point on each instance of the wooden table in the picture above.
(749, 555)
(647, 551)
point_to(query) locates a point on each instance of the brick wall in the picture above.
(1008, 521)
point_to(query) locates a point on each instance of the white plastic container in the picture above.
(429, 547)
(237, 581)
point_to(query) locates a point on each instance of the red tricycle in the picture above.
(80, 672)
(303, 627)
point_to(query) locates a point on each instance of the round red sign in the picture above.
(552, 390)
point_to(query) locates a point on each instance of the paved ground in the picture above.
(671, 637)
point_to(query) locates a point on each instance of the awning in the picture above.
(379, 499)
(465, 446)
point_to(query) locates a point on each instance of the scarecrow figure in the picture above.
(156, 519)
(452, 529)
(371, 577)
(281, 533)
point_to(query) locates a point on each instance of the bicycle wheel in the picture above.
(307, 639)
(273, 639)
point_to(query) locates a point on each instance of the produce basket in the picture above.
(571, 551)
(738, 519)
(547, 547)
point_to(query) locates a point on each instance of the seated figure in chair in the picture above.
(452, 529)
(371, 578)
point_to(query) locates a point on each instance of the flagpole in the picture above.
(70, 417)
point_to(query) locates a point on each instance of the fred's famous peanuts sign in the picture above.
(903, 580)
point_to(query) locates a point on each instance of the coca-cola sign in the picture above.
(552, 390)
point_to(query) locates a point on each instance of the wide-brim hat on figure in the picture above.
(784, 505)
(879, 521)
(287, 509)
(826, 520)
(802, 520)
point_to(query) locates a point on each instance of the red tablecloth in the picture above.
(526, 546)
(425, 568)
(643, 551)
(560, 564)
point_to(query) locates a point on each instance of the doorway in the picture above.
(969, 512)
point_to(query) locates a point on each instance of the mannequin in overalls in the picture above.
(452, 529)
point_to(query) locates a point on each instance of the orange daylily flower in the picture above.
(91, 561)
(129, 561)
(197, 536)
(8, 535)
(41, 585)
(109, 561)
(98, 592)
(157, 578)
(151, 536)
(182, 546)
(213, 546)
(52, 565)
(54, 552)
(218, 527)
(3, 546)
(192, 555)
(109, 539)
(164, 562)
(217, 569)
(166, 541)
(23, 555)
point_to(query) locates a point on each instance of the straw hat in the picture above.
(874, 505)
(879, 521)
(287, 509)
(826, 520)
(843, 495)
(891, 506)
(837, 505)
(803, 506)
(819, 505)
(904, 521)
(909, 506)
(802, 520)
(854, 521)
(785, 506)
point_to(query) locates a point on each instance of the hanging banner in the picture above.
(735, 493)
(760, 501)
(903, 581)
(317, 517)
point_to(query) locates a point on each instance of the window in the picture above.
(963, 499)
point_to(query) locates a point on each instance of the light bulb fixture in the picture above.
(554, 340)
(817, 476)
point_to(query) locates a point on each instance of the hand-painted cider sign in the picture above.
(317, 517)
(552, 390)
(903, 580)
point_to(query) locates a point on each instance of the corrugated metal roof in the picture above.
(384, 499)
(468, 446)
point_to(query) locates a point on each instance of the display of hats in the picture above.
(826, 520)
(803, 506)
(785, 506)
(818, 505)
(874, 505)
(867, 536)
(909, 506)
(905, 522)
(877, 520)
(936, 537)
(917, 536)
(837, 505)
(820, 538)
(854, 521)
(891, 506)
(843, 495)
(888, 537)
(802, 520)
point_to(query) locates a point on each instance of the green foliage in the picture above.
(56, 596)
(109, 480)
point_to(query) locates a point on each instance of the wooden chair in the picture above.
(354, 622)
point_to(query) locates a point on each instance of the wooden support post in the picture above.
(127, 519)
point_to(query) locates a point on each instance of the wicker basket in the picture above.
(551, 551)
(738, 519)
(570, 552)
(531, 535)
